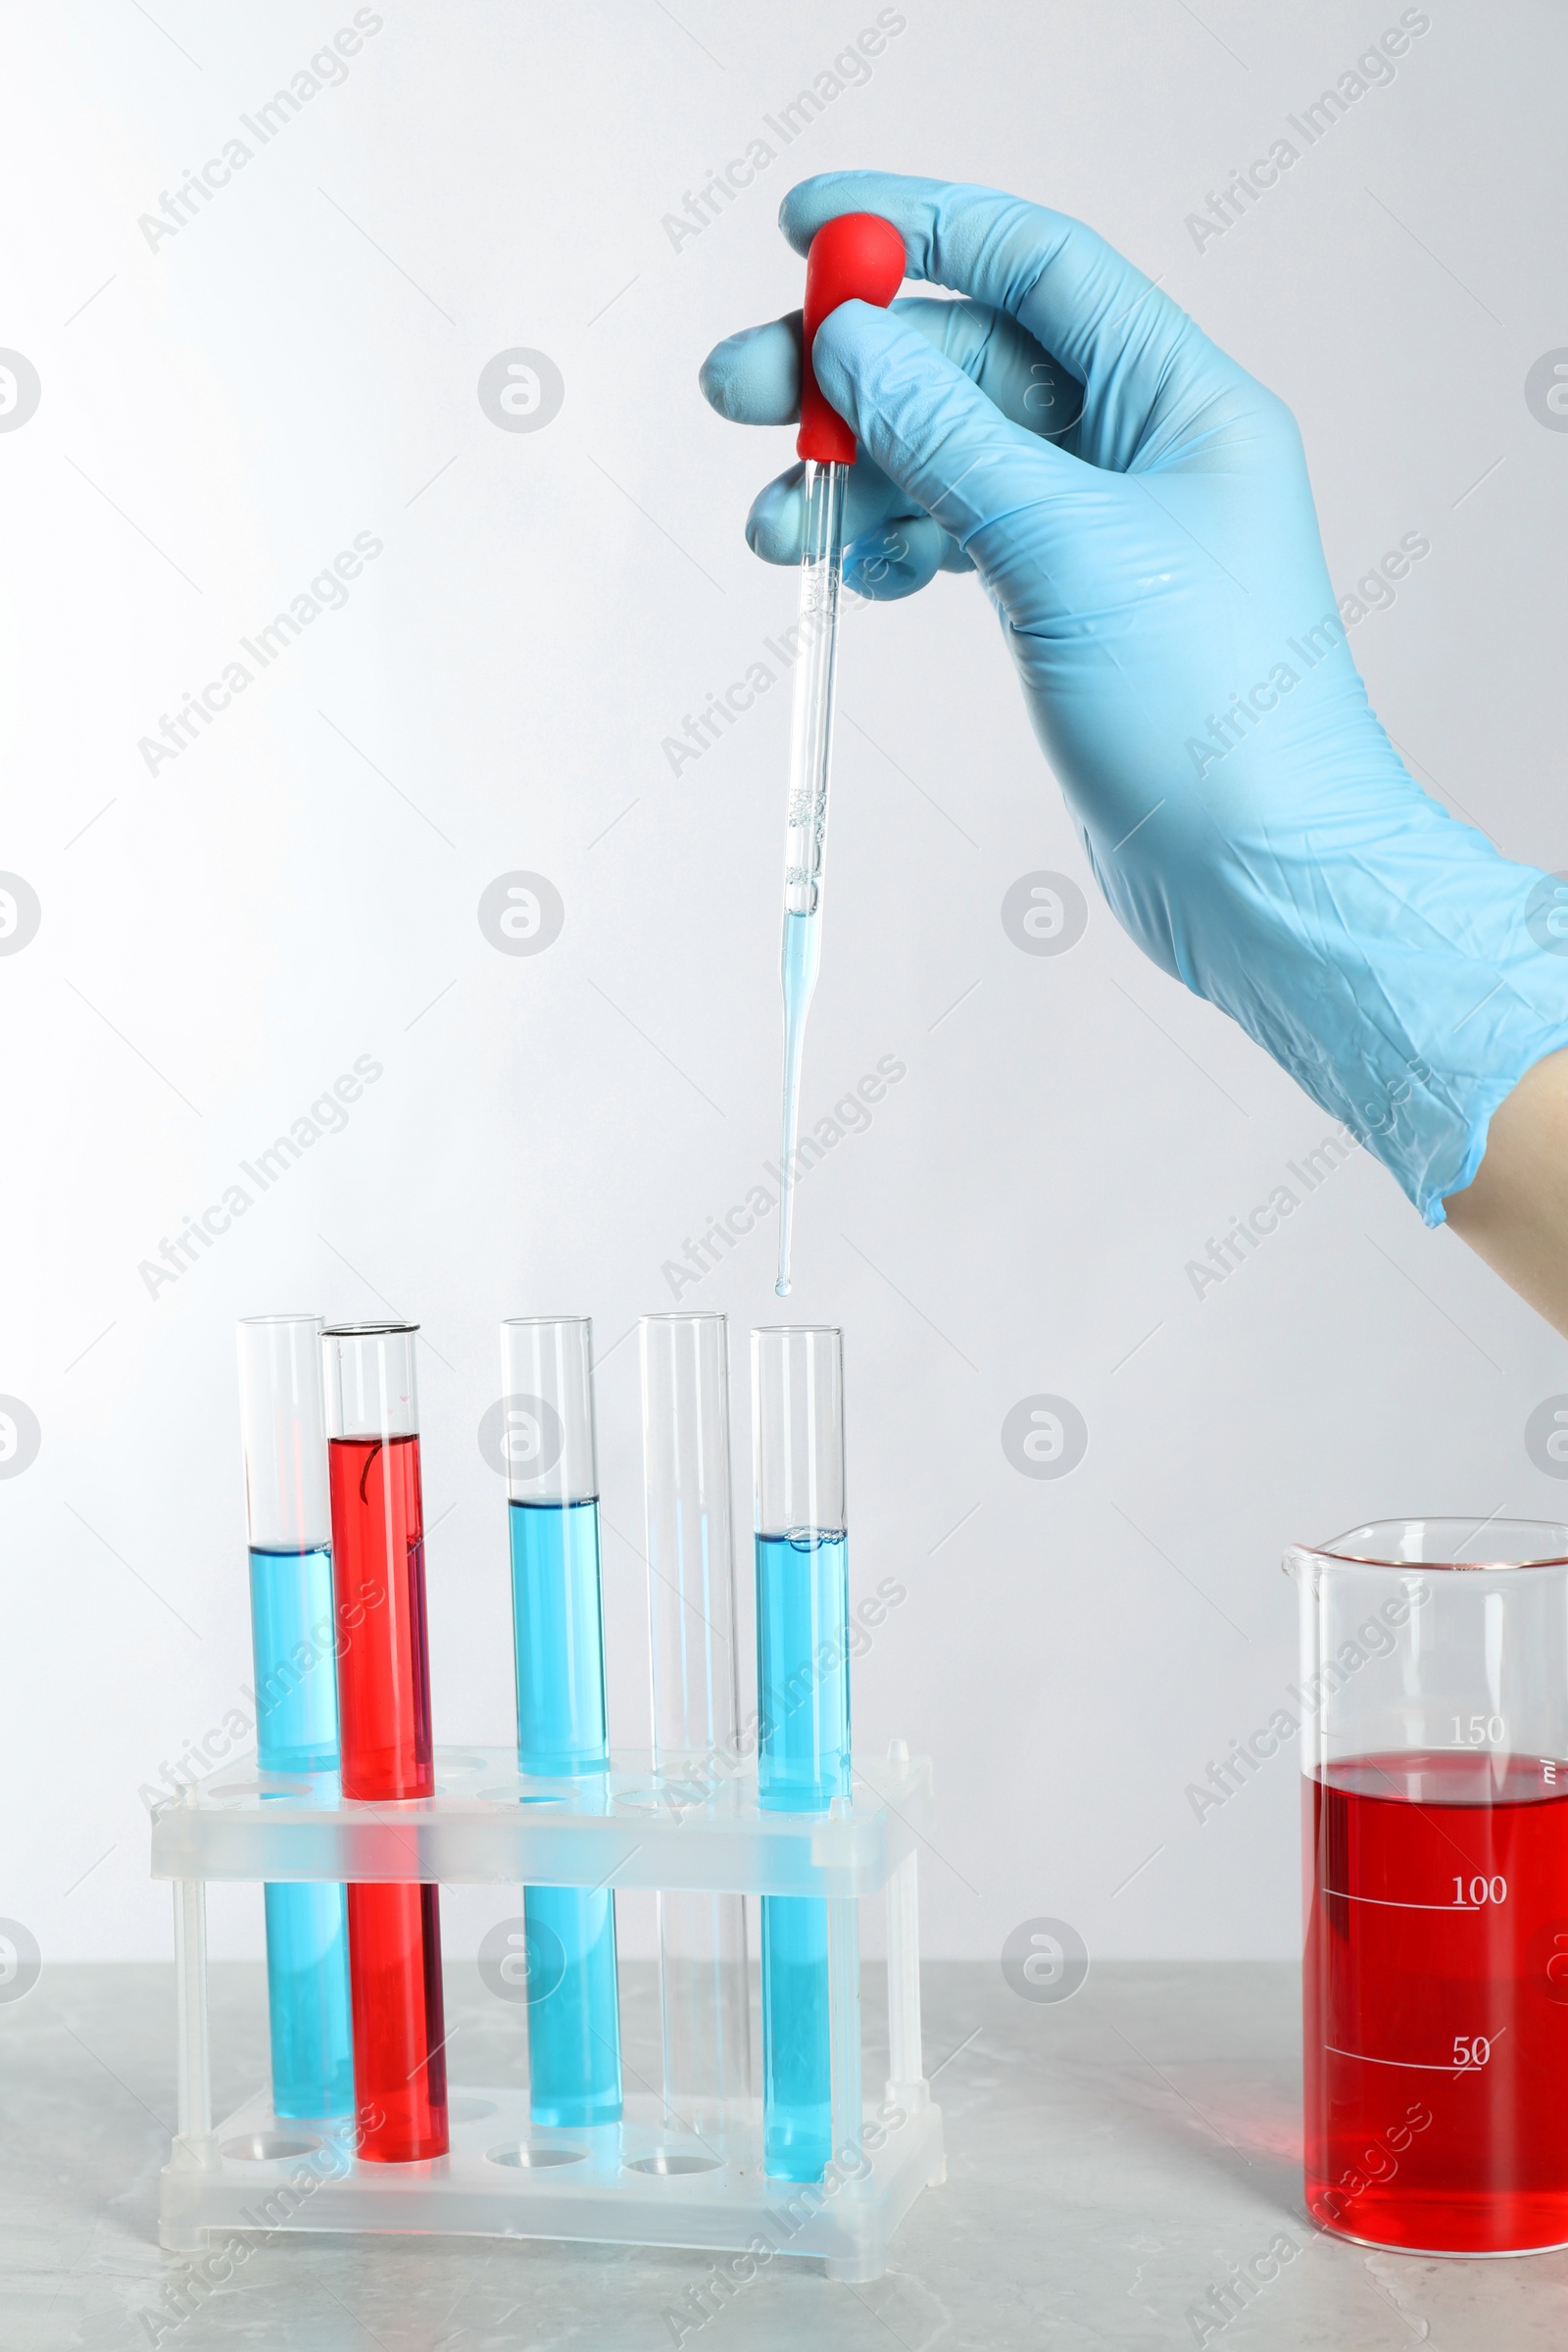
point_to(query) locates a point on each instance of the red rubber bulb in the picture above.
(857, 258)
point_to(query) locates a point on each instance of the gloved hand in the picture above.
(1138, 512)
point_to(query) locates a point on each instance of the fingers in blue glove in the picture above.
(1074, 293)
(930, 428)
(890, 552)
(754, 378)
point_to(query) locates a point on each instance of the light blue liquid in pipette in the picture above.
(803, 1762)
(307, 1926)
(558, 1625)
(800, 961)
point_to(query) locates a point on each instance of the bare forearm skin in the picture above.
(1515, 1214)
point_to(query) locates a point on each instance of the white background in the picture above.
(299, 888)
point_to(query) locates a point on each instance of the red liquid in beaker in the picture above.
(1435, 1999)
(385, 1718)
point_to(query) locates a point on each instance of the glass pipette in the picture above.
(806, 825)
(858, 257)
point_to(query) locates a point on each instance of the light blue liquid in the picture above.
(797, 2075)
(800, 961)
(558, 1625)
(803, 1762)
(307, 1926)
(802, 1669)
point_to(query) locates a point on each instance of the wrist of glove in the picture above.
(1384, 953)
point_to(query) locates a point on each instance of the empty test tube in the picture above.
(691, 1610)
(803, 1695)
(400, 2081)
(288, 1523)
(558, 1625)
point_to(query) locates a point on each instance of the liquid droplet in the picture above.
(781, 1287)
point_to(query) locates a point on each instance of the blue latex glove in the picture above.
(1139, 513)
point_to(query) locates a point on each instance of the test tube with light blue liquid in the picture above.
(558, 1625)
(802, 1693)
(289, 1522)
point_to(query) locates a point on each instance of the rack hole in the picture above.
(669, 2164)
(535, 2156)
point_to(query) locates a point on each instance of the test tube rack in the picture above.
(641, 2181)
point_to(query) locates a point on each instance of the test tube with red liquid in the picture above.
(384, 1727)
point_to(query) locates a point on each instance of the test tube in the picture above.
(400, 2079)
(803, 1697)
(557, 1627)
(691, 1614)
(288, 1528)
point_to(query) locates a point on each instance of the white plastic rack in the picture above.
(641, 2181)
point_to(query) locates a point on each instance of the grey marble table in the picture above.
(1113, 2160)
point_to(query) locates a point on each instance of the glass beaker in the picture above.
(1435, 1846)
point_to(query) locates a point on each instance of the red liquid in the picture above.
(1436, 2029)
(383, 1681)
(383, 1674)
(399, 2067)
